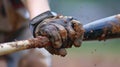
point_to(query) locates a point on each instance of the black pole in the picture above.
(103, 29)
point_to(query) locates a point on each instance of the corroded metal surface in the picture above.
(10, 47)
(103, 29)
(99, 30)
(39, 42)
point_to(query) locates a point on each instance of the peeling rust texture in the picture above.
(107, 28)
(11, 47)
(38, 42)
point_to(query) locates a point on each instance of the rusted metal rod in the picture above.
(98, 30)
(11, 47)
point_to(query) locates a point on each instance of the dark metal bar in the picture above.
(107, 28)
